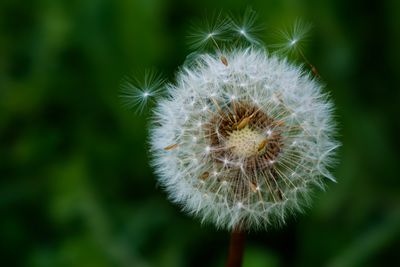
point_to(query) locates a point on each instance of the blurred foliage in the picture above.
(76, 188)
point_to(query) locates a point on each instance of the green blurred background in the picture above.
(76, 188)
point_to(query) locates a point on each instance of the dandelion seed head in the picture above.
(240, 146)
(242, 136)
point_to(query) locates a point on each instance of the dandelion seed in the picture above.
(243, 123)
(224, 61)
(137, 93)
(204, 176)
(210, 33)
(170, 147)
(245, 27)
(253, 187)
(292, 39)
(262, 145)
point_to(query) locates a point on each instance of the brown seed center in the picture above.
(244, 134)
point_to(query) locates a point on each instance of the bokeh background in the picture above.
(76, 188)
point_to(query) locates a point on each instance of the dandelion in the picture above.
(242, 138)
(253, 138)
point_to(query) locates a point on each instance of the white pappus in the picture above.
(242, 137)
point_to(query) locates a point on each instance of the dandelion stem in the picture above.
(236, 248)
(312, 67)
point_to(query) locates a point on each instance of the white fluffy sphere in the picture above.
(242, 138)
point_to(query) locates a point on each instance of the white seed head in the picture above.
(245, 160)
(242, 136)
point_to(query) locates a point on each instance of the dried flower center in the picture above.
(245, 142)
(244, 137)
